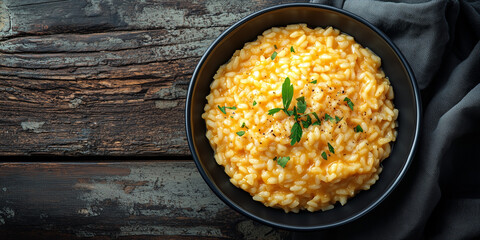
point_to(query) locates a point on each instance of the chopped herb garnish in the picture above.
(298, 112)
(318, 119)
(327, 117)
(337, 119)
(349, 102)
(231, 116)
(314, 81)
(301, 105)
(308, 122)
(275, 46)
(282, 161)
(295, 113)
(324, 155)
(274, 55)
(287, 93)
(222, 109)
(358, 129)
(330, 148)
(296, 133)
(243, 125)
(292, 50)
(273, 111)
(254, 103)
(240, 133)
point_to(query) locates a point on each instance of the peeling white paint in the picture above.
(86, 186)
(167, 230)
(168, 188)
(87, 212)
(156, 15)
(170, 93)
(5, 20)
(93, 8)
(166, 104)
(253, 230)
(6, 213)
(74, 103)
(32, 126)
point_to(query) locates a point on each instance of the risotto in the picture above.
(301, 118)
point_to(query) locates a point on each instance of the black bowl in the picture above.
(407, 101)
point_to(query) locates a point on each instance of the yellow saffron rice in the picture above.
(325, 67)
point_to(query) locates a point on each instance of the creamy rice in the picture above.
(326, 67)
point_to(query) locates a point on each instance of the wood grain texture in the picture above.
(125, 200)
(96, 77)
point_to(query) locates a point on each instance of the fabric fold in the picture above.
(439, 197)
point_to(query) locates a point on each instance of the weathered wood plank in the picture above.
(117, 199)
(103, 77)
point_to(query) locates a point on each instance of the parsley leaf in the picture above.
(296, 133)
(330, 148)
(274, 55)
(243, 125)
(295, 113)
(314, 81)
(254, 103)
(327, 117)
(275, 46)
(349, 102)
(308, 122)
(292, 50)
(324, 155)
(287, 93)
(222, 109)
(282, 161)
(301, 105)
(240, 133)
(318, 119)
(273, 111)
(358, 129)
(337, 119)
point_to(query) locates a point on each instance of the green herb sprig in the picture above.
(274, 55)
(222, 109)
(330, 148)
(301, 118)
(358, 129)
(349, 102)
(282, 161)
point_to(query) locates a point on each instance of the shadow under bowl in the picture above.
(396, 68)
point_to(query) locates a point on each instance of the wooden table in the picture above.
(92, 139)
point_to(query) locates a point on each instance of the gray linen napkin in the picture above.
(440, 196)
